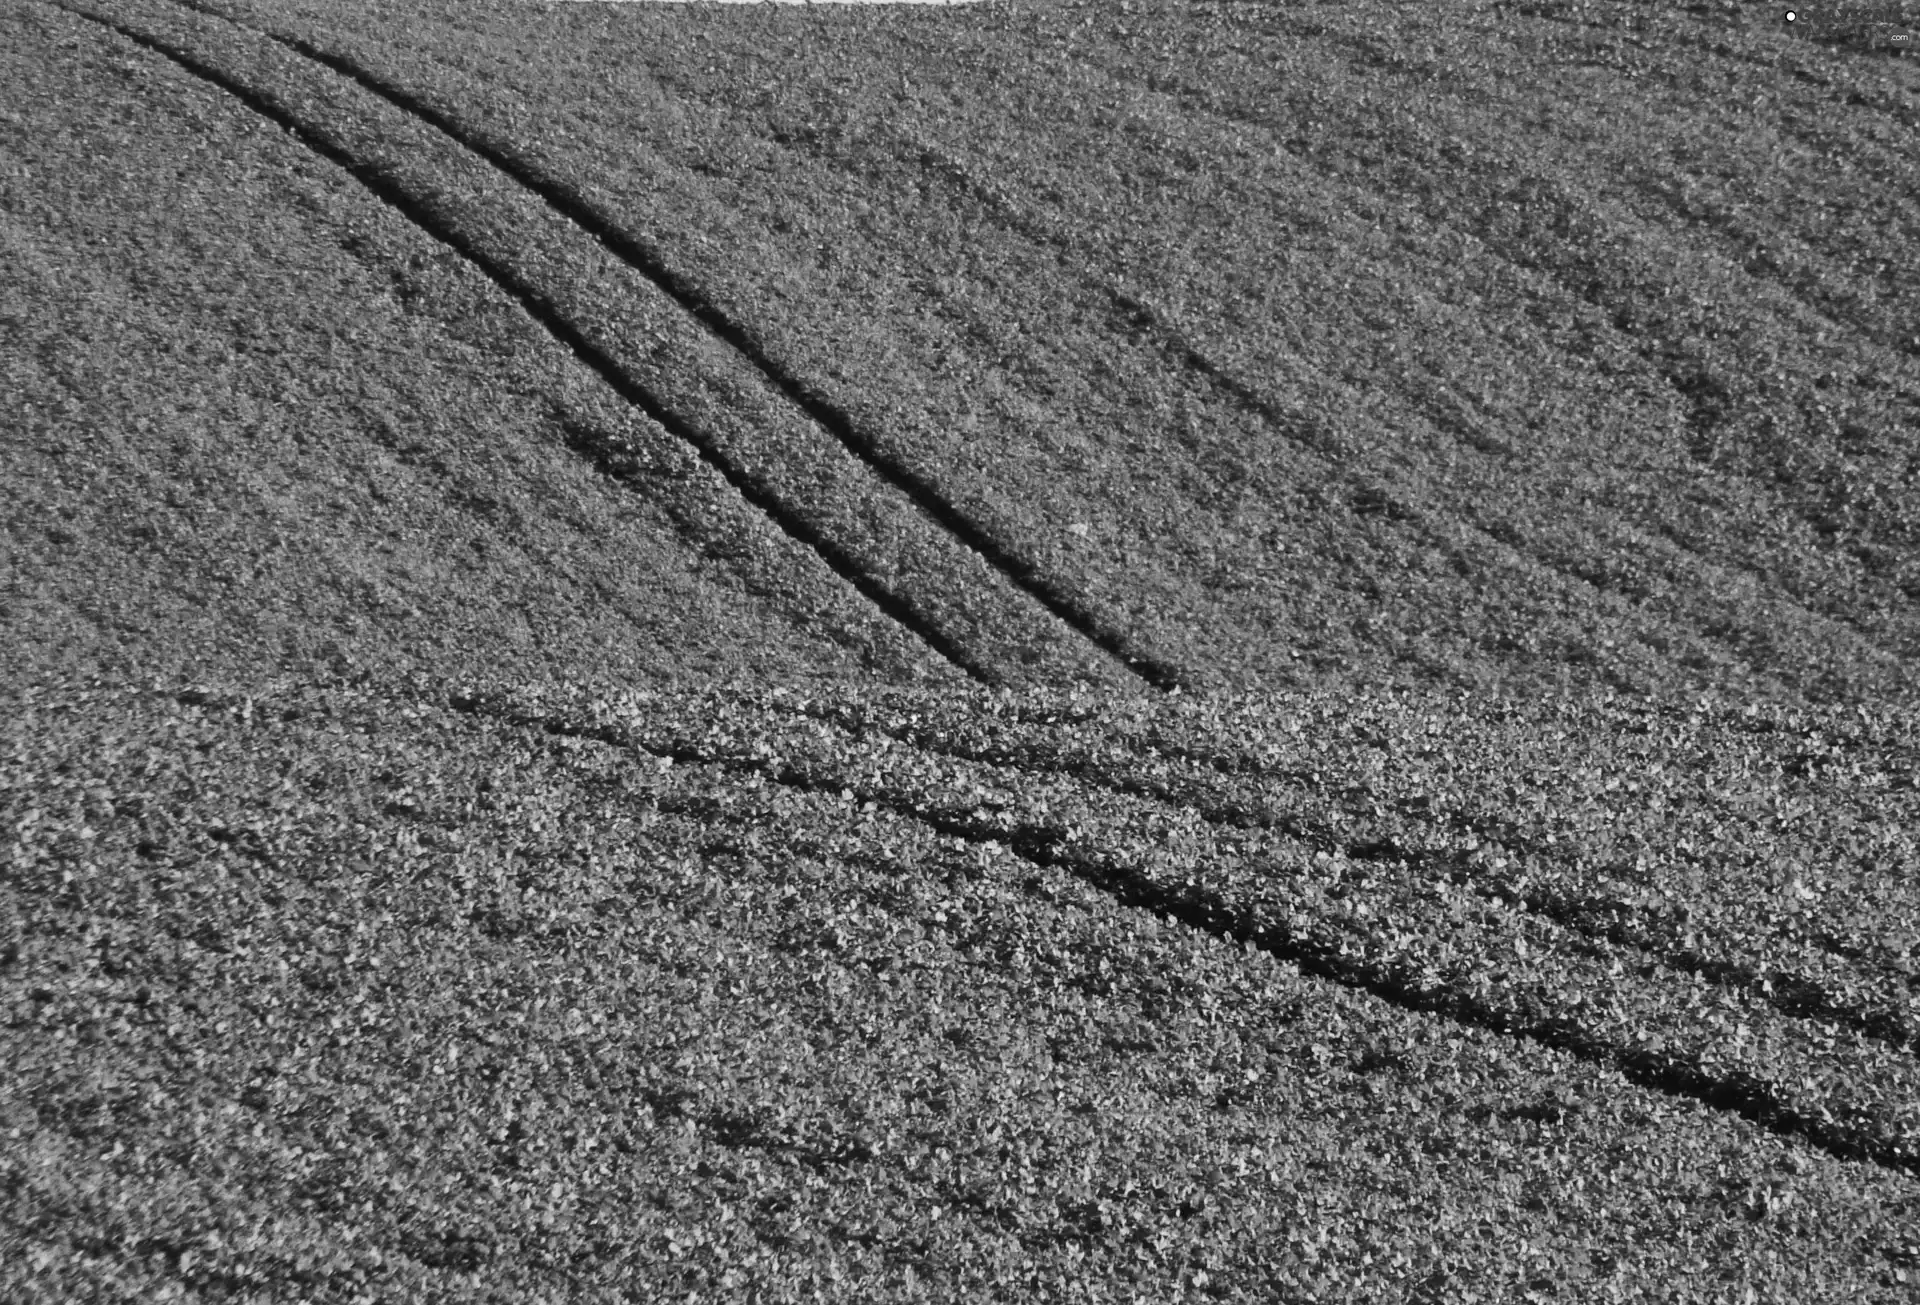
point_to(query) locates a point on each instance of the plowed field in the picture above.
(1017, 651)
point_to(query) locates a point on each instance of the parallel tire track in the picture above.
(631, 250)
(535, 302)
(647, 260)
(1043, 845)
(946, 593)
(1798, 996)
(1315, 947)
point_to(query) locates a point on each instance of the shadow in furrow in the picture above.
(1243, 394)
(1752, 1098)
(541, 309)
(1793, 995)
(636, 254)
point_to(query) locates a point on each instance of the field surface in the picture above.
(1022, 651)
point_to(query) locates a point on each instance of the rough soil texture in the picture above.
(592, 596)
(258, 420)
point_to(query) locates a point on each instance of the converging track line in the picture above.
(537, 306)
(903, 605)
(1795, 995)
(1734, 1092)
(1739, 1093)
(647, 261)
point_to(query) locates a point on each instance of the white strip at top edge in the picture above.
(757, 2)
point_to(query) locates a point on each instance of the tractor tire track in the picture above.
(1323, 952)
(646, 259)
(694, 385)
(1341, 946)
(1600, 919)
(1131, 315)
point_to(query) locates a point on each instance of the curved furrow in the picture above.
(645, 258)
(1415, 944)
(537, 300)
(1230, 794)
(631, 333)
(1698, 388)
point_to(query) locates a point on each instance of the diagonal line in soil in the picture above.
(1133, 312)
(1745, 1095)
(1794, 995)
(537, 305)
(636, 254)
(1177, 346)
(1704, 401)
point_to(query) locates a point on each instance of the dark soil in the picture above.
(1124, 651)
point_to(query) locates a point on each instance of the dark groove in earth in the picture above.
(1793, 995)
(629, 249)
(1753, 1099)
(1130, 310)
(537, 306)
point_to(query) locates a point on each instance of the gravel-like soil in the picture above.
(1013, 651)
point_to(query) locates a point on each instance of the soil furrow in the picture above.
(1620, 924)
(1698, 382)
(539, 963)
(946, 594)
(1133, 312)
(505, 861)
(1684, 372)
(538, 306)
(636, 253)
(1328, 956)
(1420, 525)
